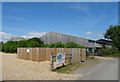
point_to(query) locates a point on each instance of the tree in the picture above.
(113, 33)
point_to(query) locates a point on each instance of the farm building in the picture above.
(53, 37)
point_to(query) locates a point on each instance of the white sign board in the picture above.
(60, 58)
(28, 50)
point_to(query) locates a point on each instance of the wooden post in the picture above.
(70, 61)
(51, 61)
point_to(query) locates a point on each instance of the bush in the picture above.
(59, 45)
(50, 45)
(108, 51)
(73, 45)
(35, 40)
(23, 43)
(11, 46)
(33, 44)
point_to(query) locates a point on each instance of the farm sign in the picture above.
(60, 58)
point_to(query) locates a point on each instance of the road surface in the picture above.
(106, 70)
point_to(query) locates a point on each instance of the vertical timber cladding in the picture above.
(43, 54)
(80, 54)
(48, 38)
(33, 54)
(44, 38)
(81, 41)
(26, 55)
(62, 38)
(84, 53)
(85, 42)
(68, 39)
(57, 36)
(47, 53)
(40, 54)
(77, 40)
(53, 38)
(65, 39)
(18, 53)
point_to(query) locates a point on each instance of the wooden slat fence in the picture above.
(43, 54)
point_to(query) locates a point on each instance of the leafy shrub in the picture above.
(11, 46)
(59, 45)
(50, 45)
(73, 45)
(108, 51)
(35, 40)
(33, 44)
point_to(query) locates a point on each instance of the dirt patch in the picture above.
(18, 69)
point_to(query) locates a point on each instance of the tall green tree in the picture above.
(113, 33)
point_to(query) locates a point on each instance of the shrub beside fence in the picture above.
(43, 54)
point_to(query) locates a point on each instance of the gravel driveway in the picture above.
(106, 70)
(18, 69)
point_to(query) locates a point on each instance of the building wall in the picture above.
(53, 37)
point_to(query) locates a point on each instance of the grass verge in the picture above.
(69, 68)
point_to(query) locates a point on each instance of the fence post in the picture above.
(70, 61)
(51, 61)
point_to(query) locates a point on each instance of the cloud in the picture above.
(5, 36)
(34, 34)
(95, 34)
(88, 33)
(15, 18)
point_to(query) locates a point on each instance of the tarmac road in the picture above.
(106, 70)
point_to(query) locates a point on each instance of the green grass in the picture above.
(69, 68)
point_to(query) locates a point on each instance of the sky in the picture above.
(82, 19)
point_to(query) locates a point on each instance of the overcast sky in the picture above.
(82, 19)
